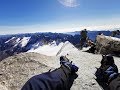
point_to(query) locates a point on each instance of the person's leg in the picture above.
(58, 79)
(54, 80)
(115, 84)
(81, 44)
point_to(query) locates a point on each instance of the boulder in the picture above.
(107, 45)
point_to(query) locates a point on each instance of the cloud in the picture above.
(69, 3)
(102, 27)
(37, 28)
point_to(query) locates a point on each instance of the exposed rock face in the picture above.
(2, 87)
(107, 44)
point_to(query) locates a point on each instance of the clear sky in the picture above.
(19, 16)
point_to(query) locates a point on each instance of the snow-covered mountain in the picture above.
(22, 42)
(13, 45)
(37, 42)
(40, 42)
(51, 49)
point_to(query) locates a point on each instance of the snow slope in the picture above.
(10, 40)
(18, 41)
(50, 50)
(23, 42)
(113, 38)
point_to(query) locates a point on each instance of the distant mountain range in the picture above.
(14, 44)
(91, 34)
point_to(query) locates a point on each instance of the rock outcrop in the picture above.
(107, 44)
(16, 70)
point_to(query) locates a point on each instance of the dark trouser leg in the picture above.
(115, 84)
(59, 79)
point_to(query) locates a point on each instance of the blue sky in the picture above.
(19, 16)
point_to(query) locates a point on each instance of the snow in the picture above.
(68, 48)
(113, 38)
(24, 41)
(36, 45)
(10, 40)
(50, 50)
(16, 42)
(116, 39)
(19, 41)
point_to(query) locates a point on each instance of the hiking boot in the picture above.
(65, 62)
(111, 74)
